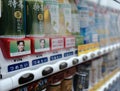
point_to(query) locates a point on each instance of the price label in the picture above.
(57, 43)
(55, 57)
(69, 42)
(18, 66)
(68, 54)
(39, 61)
(81, 49)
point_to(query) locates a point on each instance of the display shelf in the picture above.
(46, 70)
(107, 84)
(108, 80)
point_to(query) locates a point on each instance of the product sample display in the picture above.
(34, 17)
(51, 17)
(65, 18)
(12, 22)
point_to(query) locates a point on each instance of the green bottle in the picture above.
(35, 17)
(11, 21)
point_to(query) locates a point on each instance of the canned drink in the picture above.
(39, 85)
(67, 84)
(55, 87)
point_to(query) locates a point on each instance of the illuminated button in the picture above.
(63, 65)
(99, 53)
(26, 78)
(92, 55)
(75, 61)
(47, 71)
(85, 58)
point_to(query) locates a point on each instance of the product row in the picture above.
(59, 17)
(36, 17)
(79, 78)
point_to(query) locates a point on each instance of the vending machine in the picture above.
(56, 45)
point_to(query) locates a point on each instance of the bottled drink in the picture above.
(11, 21)
(35, 20)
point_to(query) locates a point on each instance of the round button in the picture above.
(99, 53)
(47, 71)
(75, 61)
(92, 55)
(63, 65)
(85, 58)
(26, 78)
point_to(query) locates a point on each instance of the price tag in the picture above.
(89, 48)
(69, 42)
(95, 46)
(83, 49)
(18, 66)
(39, 61)
(57, 43)
(68, 54)
(55, 57)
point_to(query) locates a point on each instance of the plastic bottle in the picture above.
(12, 21)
